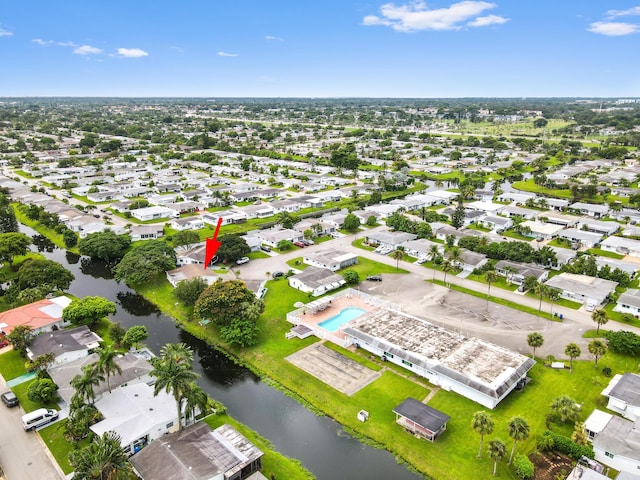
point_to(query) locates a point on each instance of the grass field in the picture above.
(60, 448)
(12, 365)
(29, 405)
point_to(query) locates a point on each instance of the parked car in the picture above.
(242, 261)
(374, 278)
(306, 242)
(277, 274)
(9, 399)
(299, 244)
(4, 343)
(265, 248)
(39, 417)
(590, 307)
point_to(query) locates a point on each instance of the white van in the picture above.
(39, 417)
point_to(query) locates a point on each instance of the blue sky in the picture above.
(329, 48)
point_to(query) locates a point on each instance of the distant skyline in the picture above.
(329, 48)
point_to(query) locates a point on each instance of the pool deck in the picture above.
(337, 305)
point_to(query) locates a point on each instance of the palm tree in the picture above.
(179, 352)
(446, 266)
(535, 340)
(107, 365)
(102, 459)
(572, 350)
(541, 290)
(454, 255)
(490, 277)
(600, 317)
(195, 399)
(518, 429)
(397, 255)
(497, 451)
(554, 295)
(597, 348)
(83, 384)
(565, 407)
(482, 425)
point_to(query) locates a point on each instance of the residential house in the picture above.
(137, 415)
(65, 345)
(546, 231)
(564, 256)
(185, 207)
(336, 218)
(257, 211)
(629, 302)
(146, 232)
(191, 271)
(290, 206)
(199, 453)
(492, 222)
(581, 237)
(469, 260)
(593, 210)
(316, 281)
(42, 316)
(387, 238)
(318, 227)
(228, 217)
(623, 393)
(583, 288)
(597, 226)
(153, 213)
(617, 445)
(330, 259)
(190, 254)
(488, 208)
(516, 272)
(421, 248)
(557, 203)
(554, 218)
(272, 236)
(383, 210)
(620, 245)
(443, 232)
(443, 197)
(518, 198)
(525, 213)
(420, 419)
(187, 223)
(162, 200)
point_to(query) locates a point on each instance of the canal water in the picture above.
(318, 442)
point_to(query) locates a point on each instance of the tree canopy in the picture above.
(351, 223)
(88, 310)
(13, 244)
(232, 248)
(143, 263)
(105, 245)
(44, 274)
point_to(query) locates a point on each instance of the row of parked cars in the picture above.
(383, 250)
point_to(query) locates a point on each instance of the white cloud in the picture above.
(488, 20)
(623, 13)
(5, 33)
(225, 54)
(87, 50)
(613, 29)
(132, 52)
(42, 43)
(272, 38)
(417, 16)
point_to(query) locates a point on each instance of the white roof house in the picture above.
(153, 213)
(593, 210)
(628, 302)
(136, 415)
(623, 246)
(617, 445)
(623, 393)
(316, 281)
(582, 288)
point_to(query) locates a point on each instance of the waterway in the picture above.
(318, 442)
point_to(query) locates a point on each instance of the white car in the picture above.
(243, 260)
(590, 307)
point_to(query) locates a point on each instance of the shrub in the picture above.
(523, 467)
(606, 371)
(570, 448)
(351, 277)
(627, 343)
(42, 390)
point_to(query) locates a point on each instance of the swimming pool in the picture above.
(334, 323)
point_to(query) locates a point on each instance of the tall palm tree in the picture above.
(107, 365)
(540, 290)
(572, 350)
(102, 459)
(535, 340)
(600, 317)
(497, 451)
(397, 255)
(597, 348)
(179, 352)
(446, 266)
(195, 399)
(518, 429)
(565, 407)
(454, 255)
(83, 384)
(490, 277)
(483, 425)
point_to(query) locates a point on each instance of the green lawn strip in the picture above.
(366, 267)
(12, 365)
(560, 243)
(562, 301)
(354, 356)
(498, 300)
(595, 334)
(500, 283)
(297, 263)
(510, 233)
(26, 404)
(60, 448)
(530, 186)
(56, 238)
(257, 255)
(274, 464)
(619, 317)
(605, 253)
(360, 244)
(101, 327)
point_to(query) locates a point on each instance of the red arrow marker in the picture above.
(212, 245)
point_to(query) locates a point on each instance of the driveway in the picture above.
(23, 455)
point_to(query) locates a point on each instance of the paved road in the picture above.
(470, 315)
(23, 456)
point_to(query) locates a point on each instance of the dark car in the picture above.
(277, 274)
(375, 278)
(9, 399)
(4, 343)
(265, 248)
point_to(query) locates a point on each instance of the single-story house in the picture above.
(136, 415)
(517, 198)
(597, 226)
(187, 223)
(146, 232)
(583, 288)
(336, 219)
(469, 260)
(443, 197)
(66, 345)
(190, 254)
(274, 235)
(443, 232)
(629, 302)
(628, 267)
(488, 208)
(199, 453)
(557, 203)
(617, 445)
(42, 316)
(623, 393)
(185, 207)
(566, 221)
(516, 272)
(318, 227)
(584, 238)
(420, 419)
(228, 217)
(623, 246)
(478, 370)
(547, 231)
(316, 281)
(285, 206)
(257, 211)
(493, 222)
(189, 272)
(421, 248)
(387, 238)
(330, 259)
(153, 213)
(563, 256)
(593, 210)
(135, 369)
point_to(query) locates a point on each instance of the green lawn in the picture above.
(60, 448)
(500, 283)
(618, 317)
(561, 243)
(56, 238)
(11, 365)
(26, 404)
(605, 253)
(360, 244)
(510, 233)
(257, 255)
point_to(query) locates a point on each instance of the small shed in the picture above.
(420, 419)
